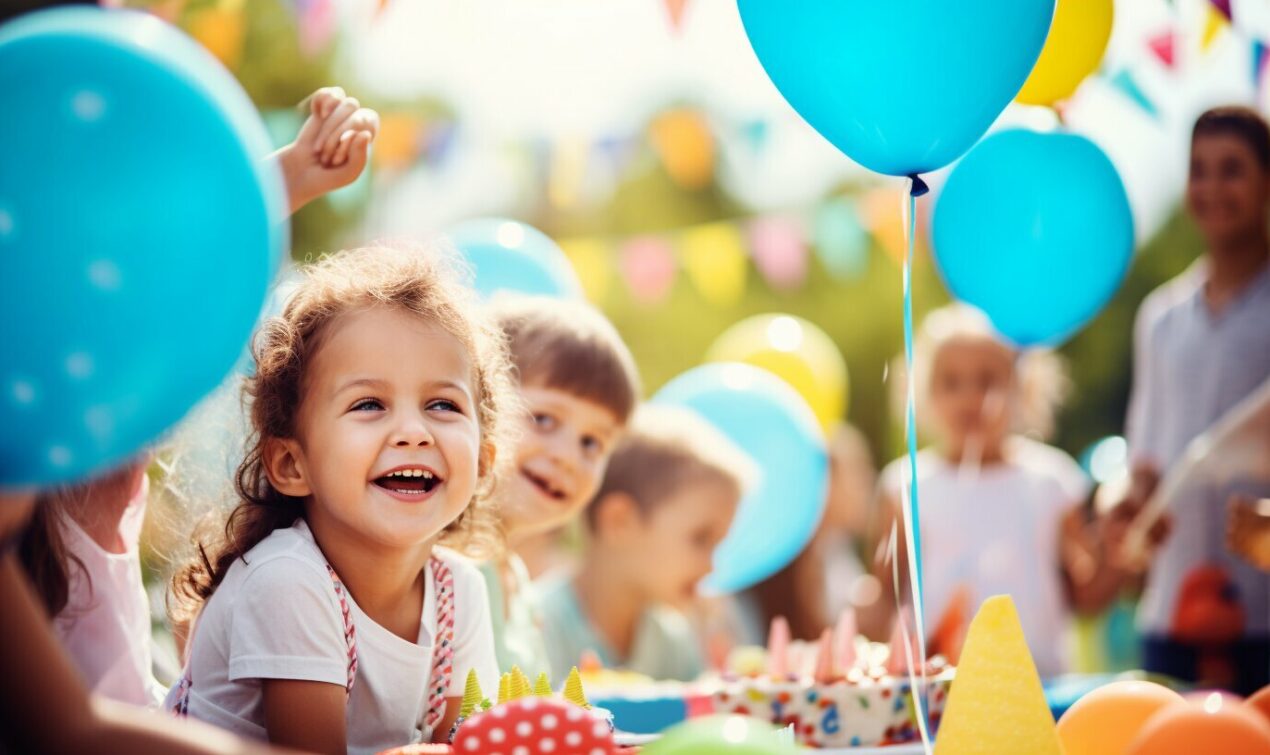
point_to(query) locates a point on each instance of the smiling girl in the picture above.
(331, 620)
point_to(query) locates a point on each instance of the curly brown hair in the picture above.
(422, 282)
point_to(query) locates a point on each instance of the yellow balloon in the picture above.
(1077, 39)
(794, 350)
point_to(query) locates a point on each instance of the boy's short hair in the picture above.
(666, 449)
(1241, 122)
(571, 347)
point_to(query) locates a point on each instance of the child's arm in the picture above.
(441, 734)
(1248, 530)
(305, 715)
(332, 148)
(1092, 579)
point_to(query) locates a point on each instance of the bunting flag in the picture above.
(589, 258)
(400, 141)
(683, 141)
(675, 10)
(1128, 85)
(755, 134)
(221, 29)
(779, 247)
(317, 23)
(568, 171)
(715, 262)
(1217, 21)
(648, 265)
(1163, 46)
(841, 242)
(883, 215)
(1222, 7)
(1258, 63)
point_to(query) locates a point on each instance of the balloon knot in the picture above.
(919, 186)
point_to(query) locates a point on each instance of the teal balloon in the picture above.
(506, 255)
(901, 86)
(1035, 230)
(140, 225)
(722, 735)
(771, 423)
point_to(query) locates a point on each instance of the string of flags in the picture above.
(717, 257)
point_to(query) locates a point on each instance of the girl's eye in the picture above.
(368, 405)
(445, 406)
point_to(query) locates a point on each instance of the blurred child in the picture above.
(1202, 344)
(578, 385)
(668, 498)
(81, 551)
(46, 707)
(329, 619)
(998, 511)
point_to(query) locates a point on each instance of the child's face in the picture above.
(672, 547)
(970, 389)
(560, 459)
(389, 438)
(1228, 190)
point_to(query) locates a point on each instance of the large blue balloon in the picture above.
(139, 228)
(771, 423)
(1035, 230)
(509, 256)
(901, 86)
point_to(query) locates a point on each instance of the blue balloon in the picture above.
(139, 229)
(1035, 230)
(773, 424)
(901, 86)
(509, 256)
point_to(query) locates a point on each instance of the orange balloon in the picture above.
(1260, 702)
(1105, 721)
(1218, 724)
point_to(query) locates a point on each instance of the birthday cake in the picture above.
(849, 693)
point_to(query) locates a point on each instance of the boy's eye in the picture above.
(367, 405)
(545, 421)
(592, 444)
(445, 405)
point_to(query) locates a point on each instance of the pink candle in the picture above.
(846, 633)
(778, 648)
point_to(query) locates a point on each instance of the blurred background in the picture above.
(644, 137)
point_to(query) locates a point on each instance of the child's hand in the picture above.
(331, 149)
(1248, 530)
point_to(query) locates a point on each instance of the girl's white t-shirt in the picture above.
(276, 615)
(996, 531)
(105, 626)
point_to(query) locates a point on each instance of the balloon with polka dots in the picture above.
(140, 226)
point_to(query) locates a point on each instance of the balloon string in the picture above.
(912, 529)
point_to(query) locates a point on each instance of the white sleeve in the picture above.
(286, 623)
(473, 631)
(1140, 428)
(1073, 481)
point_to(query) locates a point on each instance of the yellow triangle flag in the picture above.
(996, 703)
(590, 258)
(1212, 27)
(715, 261)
